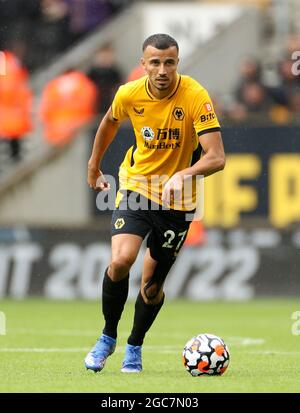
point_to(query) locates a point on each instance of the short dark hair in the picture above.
(160, 41)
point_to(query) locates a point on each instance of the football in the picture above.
(206, 355)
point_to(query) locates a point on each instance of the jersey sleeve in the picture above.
(204, 117)
(118, 106)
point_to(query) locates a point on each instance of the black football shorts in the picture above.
(167, 228)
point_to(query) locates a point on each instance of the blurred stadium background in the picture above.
(54, 240)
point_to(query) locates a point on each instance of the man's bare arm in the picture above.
(212, 160)
(104, 136)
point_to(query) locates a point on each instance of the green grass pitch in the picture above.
(46, 342)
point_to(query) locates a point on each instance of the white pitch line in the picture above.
(232, 341)
(157, 349)
(160, 349)
(60, 332)
(71, 332)
(42, 350)
(274, 352)
(245, 341)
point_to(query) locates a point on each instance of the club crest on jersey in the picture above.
(147, 133)
(178, 113)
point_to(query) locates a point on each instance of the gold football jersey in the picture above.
(166, 132)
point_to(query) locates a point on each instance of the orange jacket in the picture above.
(136, 73)
(196, 234)
(15, 99)
(67, 103)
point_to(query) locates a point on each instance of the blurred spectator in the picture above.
(288, 81)
(279, 114)
(254, 96)
(253, 100)
(85, 15)
(250, 71)
(39, 30)
(15, 104)
(50, 35)
(251, 96)
(293, 44)
(136, 73)
(106, 75)
(68, 102)
(294, 101)
(16, 18)
(237, 112)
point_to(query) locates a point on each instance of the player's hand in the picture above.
(96, 180)
(173, 189)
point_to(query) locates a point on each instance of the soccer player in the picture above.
(174, 123)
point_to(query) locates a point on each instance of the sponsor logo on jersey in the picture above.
(209, 116)
(139, 111)
(208, 107)
(162, 145)
(120, 222)
(147, 133)
(178, 113)
(165, 138)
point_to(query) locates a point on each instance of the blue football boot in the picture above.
(133, 359)
(96, 358)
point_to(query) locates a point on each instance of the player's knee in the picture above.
(120, 267)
